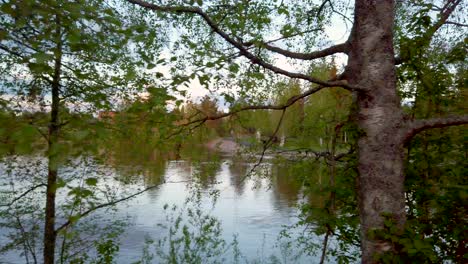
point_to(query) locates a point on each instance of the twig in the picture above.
(87, 212)
(23, 195)
(266, 145)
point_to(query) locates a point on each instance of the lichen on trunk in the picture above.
(371, 66)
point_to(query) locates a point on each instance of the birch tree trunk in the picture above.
(380, 119)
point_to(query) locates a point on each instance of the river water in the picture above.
(253, 209)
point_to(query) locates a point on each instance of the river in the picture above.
(253, 209)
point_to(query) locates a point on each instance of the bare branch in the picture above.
(23, 195)
(288, 103)
(417, 126)
(266, 145)
(5, 48)
(242, 49)
(322, 6)
(456, 24)
(340, 48)
(444, 15)
(111, 203)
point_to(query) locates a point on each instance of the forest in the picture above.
(246, 131)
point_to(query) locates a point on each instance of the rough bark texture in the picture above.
(380, 118)
(50, 235)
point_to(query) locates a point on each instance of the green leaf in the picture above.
(234, 68)
(74, 218)
(91, 181)
(42, 57)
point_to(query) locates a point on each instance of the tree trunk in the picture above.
(380, 118)
(50, 235)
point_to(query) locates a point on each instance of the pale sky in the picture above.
(337, 33)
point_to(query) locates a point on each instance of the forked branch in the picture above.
(340, 48)
(243, 50)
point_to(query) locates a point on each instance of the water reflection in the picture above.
(255, 208)
(238, 172)
(286, 185)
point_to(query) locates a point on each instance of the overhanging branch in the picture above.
(23, 195)
(112, 203)
(289, 102)
(244, 51)
(418, 126)
(340, 48)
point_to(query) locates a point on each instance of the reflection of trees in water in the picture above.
(286, 181)
(131, 164)
(205, 173)
(316, 182)
(238, 170)
(304, 179)
(201, 166)
(286, 185)
(180, 170)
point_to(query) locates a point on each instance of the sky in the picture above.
(337, 32)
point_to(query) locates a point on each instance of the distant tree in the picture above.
(383, 35)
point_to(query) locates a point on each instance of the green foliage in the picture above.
(98, 53)
(192, 238)
(411, 245)
(436, 193)
(106, 251)
(17, 135)
(434, 81)
(316, 215)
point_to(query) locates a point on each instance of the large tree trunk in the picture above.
(50, 235)
(380, 118)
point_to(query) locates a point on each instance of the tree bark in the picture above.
(371, 65)
(50, 235)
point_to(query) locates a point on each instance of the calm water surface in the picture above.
(255, 209)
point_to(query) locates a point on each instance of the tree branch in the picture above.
(456, 24)
(417, 126)
(289, 102)
(23, 195)
(447, 10)
(266, 145)
(111, 203)
(444, 15)
(340, 48)
(5, 48)
(242, 49)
